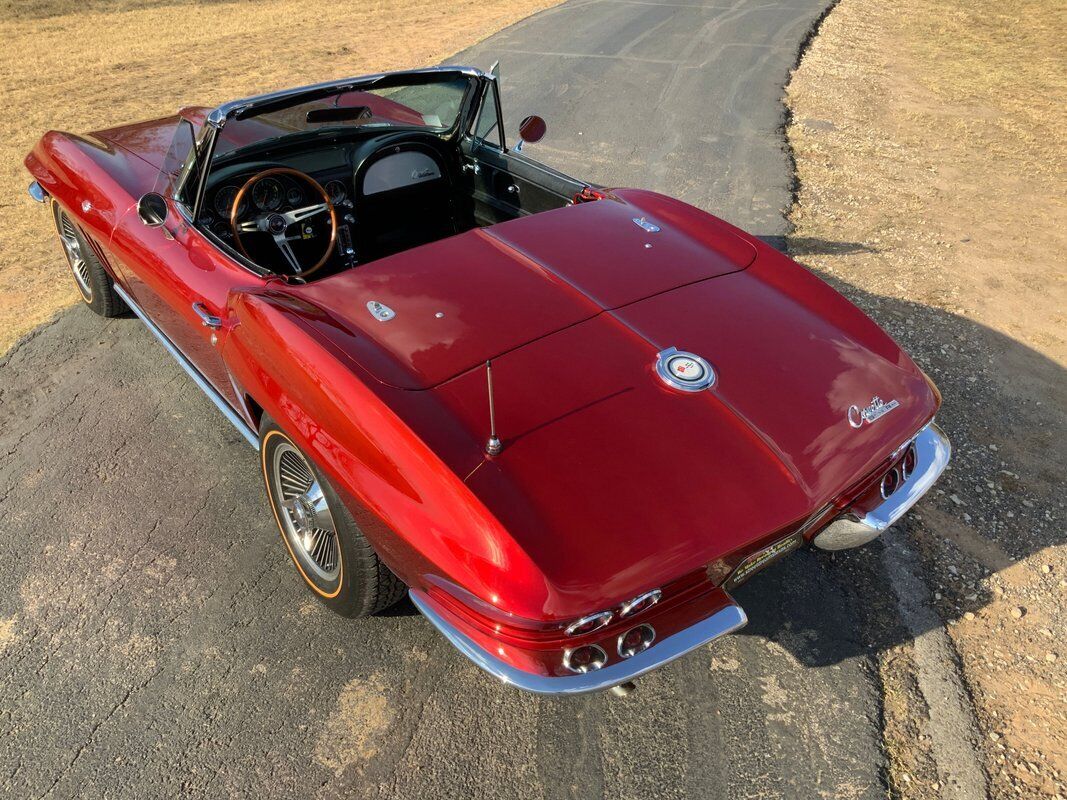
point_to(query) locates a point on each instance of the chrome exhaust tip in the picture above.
(844, 534)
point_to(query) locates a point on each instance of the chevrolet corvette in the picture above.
(566, 420)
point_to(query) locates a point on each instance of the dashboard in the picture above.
(329, 167)
(382, 188)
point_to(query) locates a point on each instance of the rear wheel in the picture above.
(92, 280)
(328, 548)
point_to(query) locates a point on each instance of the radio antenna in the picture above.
(493, 446)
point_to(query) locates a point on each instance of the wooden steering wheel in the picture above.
(277, 223)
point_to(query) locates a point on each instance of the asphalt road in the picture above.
(154, 639)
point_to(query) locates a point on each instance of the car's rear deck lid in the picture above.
(460, 301)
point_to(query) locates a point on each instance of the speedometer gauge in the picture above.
(336, 191)
(267, 194)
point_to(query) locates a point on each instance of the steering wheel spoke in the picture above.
(282, 241)
(300, 214)
(277, 223)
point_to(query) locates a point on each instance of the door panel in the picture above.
(505, 183)
(508, 185)
(171, 268)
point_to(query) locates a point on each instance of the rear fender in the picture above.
(420, 517)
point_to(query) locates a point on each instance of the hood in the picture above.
(614, 483)
(477, 295)
(150, 140)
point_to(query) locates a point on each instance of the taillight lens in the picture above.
(635, 640)
(640, 603)
(585, 659)
(907, 464)
(593, 622)
(890, 483)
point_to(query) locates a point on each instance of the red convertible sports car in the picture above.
(566, 420)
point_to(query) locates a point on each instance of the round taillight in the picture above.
(593, 622)
(890, 483)
(585, 659)
(640, 603)
(907, 464)
(635, 640)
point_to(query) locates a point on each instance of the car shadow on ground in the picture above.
(987, 512)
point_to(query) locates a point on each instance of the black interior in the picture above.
(456, 184)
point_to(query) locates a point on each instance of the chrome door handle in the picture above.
(206, 319)
(513, 188)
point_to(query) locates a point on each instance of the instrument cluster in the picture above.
(273, 193)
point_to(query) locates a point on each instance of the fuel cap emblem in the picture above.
(684, 371)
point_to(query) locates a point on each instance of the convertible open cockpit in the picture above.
(645, 360)
(313, 181)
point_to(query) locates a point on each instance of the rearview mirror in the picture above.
(152, 209)
(532, 129)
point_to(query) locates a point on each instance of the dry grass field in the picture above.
(932, 161)
(78, 66)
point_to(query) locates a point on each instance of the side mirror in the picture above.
(532, 129)
(152, 209)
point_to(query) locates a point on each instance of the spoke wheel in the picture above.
(72, 247)
(325, 542)
(305, 514)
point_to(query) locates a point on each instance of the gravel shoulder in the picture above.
(932, 190)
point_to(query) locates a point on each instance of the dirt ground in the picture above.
(78, 66)
(932, 167)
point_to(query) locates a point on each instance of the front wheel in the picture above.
(92, 280)
(329, 550)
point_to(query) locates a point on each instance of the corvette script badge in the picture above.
(876, 410)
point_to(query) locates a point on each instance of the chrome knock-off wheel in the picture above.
(320, 532)
(72, 246)
(92, 279)
(306, 520)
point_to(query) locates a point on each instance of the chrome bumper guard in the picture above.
(932, 453)
(37, 192)
(664, 651)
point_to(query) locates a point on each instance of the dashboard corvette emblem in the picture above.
(380, 311)
(684, 371)
(877, 409)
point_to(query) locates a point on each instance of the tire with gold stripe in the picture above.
(326, 544)
(92, 280)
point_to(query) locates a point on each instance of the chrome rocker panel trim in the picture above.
(722, 622)
(220, 402)
(932, 453)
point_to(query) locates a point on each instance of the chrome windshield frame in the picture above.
(241, 109)
(247, 107)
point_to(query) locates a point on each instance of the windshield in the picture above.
(430, 102)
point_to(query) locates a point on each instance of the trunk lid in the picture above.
(474, 296)
(615, 483)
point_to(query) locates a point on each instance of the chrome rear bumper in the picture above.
(664, 651)
(932, 451)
